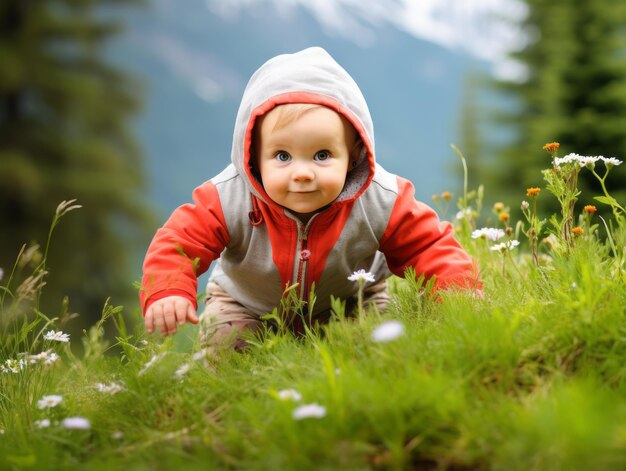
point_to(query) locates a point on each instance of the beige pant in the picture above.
(223, 317)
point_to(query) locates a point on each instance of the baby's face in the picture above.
(304, 162)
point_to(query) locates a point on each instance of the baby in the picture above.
(303, 204)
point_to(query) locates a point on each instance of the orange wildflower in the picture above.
(578, 231)
(534, 191)
(590, 209)
(498, 207)
(552, 147)
(504, 217)
(446, 196)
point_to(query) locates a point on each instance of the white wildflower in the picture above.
(464, 214)
(51, 358)
(588, 161)
(388, 331)
(76, 423)
(47, 357)
(111, 388)
(489, 233)
(568, 159)
(43, 423)
(202, 354)
(510, 245)
(152, 361)
(309, 411)
(525, 205)
(13, 366)
(182, 370)
(48, 402)
(611, 161)
(289, 395)
(362, 275)
(56, 336)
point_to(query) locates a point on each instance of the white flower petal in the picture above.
(289, 395)
(50, 401)
(609, 161)
(56, 336)
(182, 370)
(111, 388)
(489, 233)
(76, 423)
(362, 275)
(152, 361)
(388, 331)
(510, 245)
(43, 423)
(309, 411)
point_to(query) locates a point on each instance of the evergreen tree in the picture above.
(575, 93)
(64, 134)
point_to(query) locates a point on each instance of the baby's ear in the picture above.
(357, 154)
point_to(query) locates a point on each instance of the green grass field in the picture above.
(532, 376)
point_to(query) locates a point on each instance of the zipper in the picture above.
(301, 259)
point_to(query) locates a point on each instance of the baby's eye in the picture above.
(322, 155)
(282, 156)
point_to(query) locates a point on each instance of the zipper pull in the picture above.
(305, 254)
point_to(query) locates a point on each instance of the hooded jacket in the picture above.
(375, 223)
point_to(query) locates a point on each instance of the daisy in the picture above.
(48, 402)
(388, 331)
(151, 362)
(362, 275)
(76, 423)
(182, 370)
(289, 395)
(111, 388)
(43, 423)
(12, 366)
(586, 161)
(489, 233)
(610, 161)
(56, 336)
(510, 245)
(47, 358)
(568, 159)
(309, 411)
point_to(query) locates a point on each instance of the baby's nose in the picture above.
(302, 172)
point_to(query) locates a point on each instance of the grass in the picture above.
(531, 376)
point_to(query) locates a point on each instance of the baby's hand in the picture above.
(165, 313)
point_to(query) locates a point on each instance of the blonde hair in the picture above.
(289, 112)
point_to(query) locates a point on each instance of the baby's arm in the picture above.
(415, 237)
(165, 313)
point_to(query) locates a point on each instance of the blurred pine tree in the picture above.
(574, 93)
(65, 133)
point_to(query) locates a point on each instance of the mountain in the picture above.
(195, 63)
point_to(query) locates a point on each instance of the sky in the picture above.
(486, 29)
(408, 57)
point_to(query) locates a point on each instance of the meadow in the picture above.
(531, 375)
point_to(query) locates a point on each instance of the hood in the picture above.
(308, 76)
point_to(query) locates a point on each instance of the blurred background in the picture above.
(127, 105)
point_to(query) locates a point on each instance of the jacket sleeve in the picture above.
(183, 249)
(415, 237)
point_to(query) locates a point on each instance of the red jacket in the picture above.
(260, 248)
